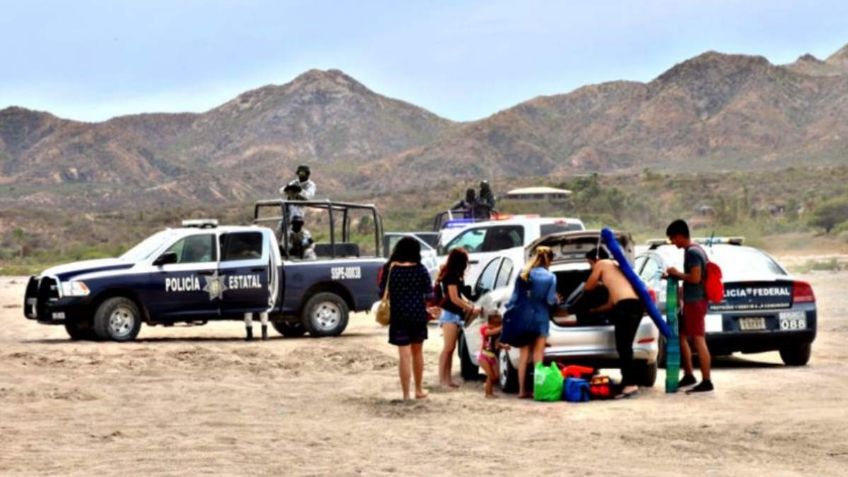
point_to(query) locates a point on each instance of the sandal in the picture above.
(627, 395)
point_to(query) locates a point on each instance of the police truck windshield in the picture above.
(148, 246)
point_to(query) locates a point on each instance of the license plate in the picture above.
(752, 324)
(793, 320)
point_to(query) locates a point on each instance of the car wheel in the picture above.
(508, 378)
(117, 319)
(80, 331)
(325, 314)
(469, 371)
(798, 355)
(662, 343)
(289, 330)
(646, 373)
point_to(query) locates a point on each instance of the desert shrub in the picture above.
(830, 214)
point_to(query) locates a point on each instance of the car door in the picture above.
(244, 272)
(649, 269)
(185, 290)
(483, 289)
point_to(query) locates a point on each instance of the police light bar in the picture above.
(514, 216)
(200, 223)
(457, 223)
(719, 240)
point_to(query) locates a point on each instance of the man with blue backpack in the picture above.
(692, 326)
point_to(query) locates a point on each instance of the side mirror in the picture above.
(165, 259)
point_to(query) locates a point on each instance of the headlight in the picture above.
(74, 288)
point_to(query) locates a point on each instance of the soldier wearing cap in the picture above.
(301, 188)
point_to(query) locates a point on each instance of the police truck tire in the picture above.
(117, 319)
(325, 314)
(797, 355)
(79, 331)
(289, 330)
(467, 368)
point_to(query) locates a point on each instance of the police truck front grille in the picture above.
(48, 290)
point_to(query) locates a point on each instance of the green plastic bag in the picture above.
(547, 383)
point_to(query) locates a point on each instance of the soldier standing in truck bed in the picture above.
(301, 188)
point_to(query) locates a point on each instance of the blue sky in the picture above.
(91, 60)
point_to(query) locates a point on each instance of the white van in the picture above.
(504, 237)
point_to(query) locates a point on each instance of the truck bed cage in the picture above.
(333, 209)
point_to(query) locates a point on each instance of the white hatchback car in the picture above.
(587, 339)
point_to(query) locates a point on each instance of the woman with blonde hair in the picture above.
(535, 289)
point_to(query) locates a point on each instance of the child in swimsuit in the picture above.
(488, 358)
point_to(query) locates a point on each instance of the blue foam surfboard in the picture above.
(639, 286)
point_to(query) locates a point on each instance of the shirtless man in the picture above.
(626, 309)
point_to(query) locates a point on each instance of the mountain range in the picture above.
(712, 112)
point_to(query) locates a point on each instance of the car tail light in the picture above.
(802, 292)
(653, 294)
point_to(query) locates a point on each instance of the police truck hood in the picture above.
(70, 270)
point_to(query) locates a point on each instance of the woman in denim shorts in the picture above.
(455, 307)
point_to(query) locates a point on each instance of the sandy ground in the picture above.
(188, 401)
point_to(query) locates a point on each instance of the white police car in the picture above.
(764, 308)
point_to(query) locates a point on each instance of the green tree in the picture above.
(364, 226)
(830, 214)
(20, 239)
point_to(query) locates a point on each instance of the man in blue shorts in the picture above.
(694, 306)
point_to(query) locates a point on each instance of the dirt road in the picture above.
(186, 401)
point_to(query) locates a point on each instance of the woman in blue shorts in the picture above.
(455, 307)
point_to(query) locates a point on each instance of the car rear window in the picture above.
(241, 246)
(547, 229)
(735, 261)
(738, 261)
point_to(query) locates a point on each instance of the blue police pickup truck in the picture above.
(202, 272)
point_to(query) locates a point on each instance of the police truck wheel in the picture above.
(79, 331)
(469, 371)
(798, 355)
(117, 319)
(325, 314)
(508, 376)
(289, 330)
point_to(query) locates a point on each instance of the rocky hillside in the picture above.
(247, 146)
(712, 112)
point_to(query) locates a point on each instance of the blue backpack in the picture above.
(575, 390)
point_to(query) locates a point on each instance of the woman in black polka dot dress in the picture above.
(409, 287)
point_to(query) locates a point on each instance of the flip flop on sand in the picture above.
(627, 395)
